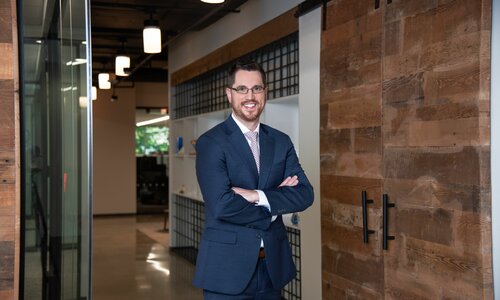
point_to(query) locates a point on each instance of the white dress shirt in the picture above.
(262, 196)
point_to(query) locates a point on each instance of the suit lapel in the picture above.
(266, 144)
(240, 143)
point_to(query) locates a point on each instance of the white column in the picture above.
(310, 223)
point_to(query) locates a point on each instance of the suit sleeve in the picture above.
(290, 199)
(215, 185)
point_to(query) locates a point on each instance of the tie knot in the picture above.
(252, 135)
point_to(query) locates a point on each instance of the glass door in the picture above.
(56, 143)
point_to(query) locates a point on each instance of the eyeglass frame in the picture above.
(248, 89)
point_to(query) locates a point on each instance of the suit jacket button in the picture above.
(258, 236)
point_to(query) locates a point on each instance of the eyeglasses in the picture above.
(258, 89)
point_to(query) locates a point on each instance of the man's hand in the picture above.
(253, 197)
(250, 195)
(290, 181)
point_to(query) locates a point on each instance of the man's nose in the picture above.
(250, 94)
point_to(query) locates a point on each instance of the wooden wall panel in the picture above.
(351, 149)
(434, 150)
(9, 157)
(405, 111)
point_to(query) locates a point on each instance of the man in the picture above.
(249, 176)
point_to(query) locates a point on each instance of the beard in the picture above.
(245, 115)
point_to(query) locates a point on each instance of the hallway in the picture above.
(131, 260)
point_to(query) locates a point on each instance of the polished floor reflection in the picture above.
(131, 260)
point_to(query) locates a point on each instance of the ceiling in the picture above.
(117, 27)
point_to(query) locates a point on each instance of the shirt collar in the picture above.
(242, 127)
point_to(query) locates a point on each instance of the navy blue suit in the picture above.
(231, 240)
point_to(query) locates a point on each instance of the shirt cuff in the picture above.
(264, 202)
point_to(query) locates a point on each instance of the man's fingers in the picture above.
(290, 181)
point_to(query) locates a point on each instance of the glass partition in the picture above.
(56, 143)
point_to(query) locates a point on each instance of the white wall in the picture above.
(114, 144)
(114, 152)
(309, 99)
(195, 45)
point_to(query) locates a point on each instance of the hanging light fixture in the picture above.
(104, 83)
(213, 1)
(122, 62)
(94, 93)
(151, 36)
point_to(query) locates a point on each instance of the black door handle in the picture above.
(385, 230)
(366, 231)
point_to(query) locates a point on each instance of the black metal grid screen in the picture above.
(205, 93)
(292, 290)
(188, 223)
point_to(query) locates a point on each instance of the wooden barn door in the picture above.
(405, 114)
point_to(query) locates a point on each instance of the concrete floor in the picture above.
(131, 260)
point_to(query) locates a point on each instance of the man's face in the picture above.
(247, 107)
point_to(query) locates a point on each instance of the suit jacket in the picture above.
(228, 251)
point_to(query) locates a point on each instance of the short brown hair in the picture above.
(249, 65)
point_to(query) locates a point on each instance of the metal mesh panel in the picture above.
(187, 226)
(205, 93)
(292, 290)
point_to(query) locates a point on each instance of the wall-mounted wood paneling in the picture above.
(9, 153)
(407, 96)
(351, 149)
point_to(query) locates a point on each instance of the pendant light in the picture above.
(93, 93)
(151, 36)
(104, 83)
(122, 62)
(213, 1)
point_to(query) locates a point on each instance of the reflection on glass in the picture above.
(56, 143)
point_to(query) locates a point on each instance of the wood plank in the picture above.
(438, 267)
(431, 224)
(7, 196)
(347, 190)
(6, 61)
(7, 174)
(472, 232)
(441, 23)
(341, 11)
(345, 232)
(404, 89)
(265, 34)
(444, 133)
(336, 287)
(351, 152)
(453, 165)
(7, 225)
(7, 115)
(365, 271)
(361, 92)
(6, 265)
(428, 192)
(5, 22)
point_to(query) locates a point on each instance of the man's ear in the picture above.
(229, 95)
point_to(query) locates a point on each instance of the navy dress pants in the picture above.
(260, 287)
